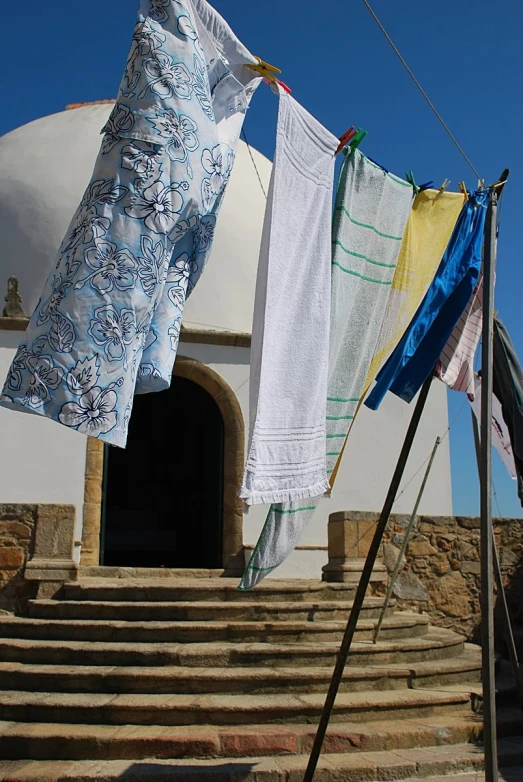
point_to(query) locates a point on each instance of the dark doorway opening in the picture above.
(163, 494)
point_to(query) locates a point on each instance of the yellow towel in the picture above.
(427, 233)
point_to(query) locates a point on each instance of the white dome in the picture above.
(46, 166)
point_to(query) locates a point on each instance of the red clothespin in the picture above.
(281, 83)
(346, 138)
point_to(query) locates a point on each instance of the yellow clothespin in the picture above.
(463, 188)
(265, 70)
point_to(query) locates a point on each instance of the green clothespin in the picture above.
(409, 176)
(356, 141)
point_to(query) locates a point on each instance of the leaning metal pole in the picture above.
(406, 539)
(509, 634)
(485, 479)
(364, 582)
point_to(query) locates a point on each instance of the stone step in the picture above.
(184, 680)
(52, 741)
(438, 644)
(206, 589)
(403, 625)
(200, 611)
(110, 572)
(451, 763)
(220, 709)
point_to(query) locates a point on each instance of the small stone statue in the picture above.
(13, 308)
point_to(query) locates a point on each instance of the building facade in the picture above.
(170, 498)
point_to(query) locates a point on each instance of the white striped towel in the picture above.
(290, 339)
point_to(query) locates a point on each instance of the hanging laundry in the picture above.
(456, 364)
(371, 211)
(108, 322)
(508, 387)
(290, 336)
(420, 347)
(427, 233)
(500, 433)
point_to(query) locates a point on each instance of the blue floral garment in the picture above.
(108, 322)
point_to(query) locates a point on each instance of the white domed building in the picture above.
(180, 509)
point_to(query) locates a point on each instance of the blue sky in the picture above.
(467, 56)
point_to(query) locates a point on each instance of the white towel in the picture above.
(456, 363)
(290, 339)
(372, 208)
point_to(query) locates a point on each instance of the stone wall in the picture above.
(19, 539)
(17, 530)
(442, 571)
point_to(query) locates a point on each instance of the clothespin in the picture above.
(409, 176)
(274, 85)
(355, 141)
(265, 70)
(285, 87)
(425, 186)
(463, 188)
(346, 137)
(444, 185)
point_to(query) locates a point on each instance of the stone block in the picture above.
(471, 567)
(409, 587)
(11, 557)
(420, 548)
(93, 490)
(15, 528)
(390, 556)
(349, 537)
(242, 742)
(440, 564)
(54, 537)
(450, 594)
(51, 570)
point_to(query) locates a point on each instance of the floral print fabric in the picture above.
(108, 321)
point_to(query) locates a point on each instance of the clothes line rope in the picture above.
(244, 136)
(420, 88)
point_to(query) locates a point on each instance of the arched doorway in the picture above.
(163, 493)
(232, 555)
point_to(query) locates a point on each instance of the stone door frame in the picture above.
(233, 464)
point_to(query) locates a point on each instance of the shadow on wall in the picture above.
(511, 561)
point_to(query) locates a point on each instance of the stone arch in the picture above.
(234, 452)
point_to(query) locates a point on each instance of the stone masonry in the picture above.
(29, 533)
(441, 575)
(17, 528)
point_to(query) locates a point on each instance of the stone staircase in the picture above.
(190, 679)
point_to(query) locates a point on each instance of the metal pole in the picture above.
(364, 582)
(509, 635)
(406, 538)
(485, 479)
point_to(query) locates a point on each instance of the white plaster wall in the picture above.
(368, 463)
(40, 461)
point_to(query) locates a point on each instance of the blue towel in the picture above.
(421, 345)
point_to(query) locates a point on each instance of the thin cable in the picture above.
(420, 88)
(422, 465)
(449, 427)
(496, 500)
(254, 163)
